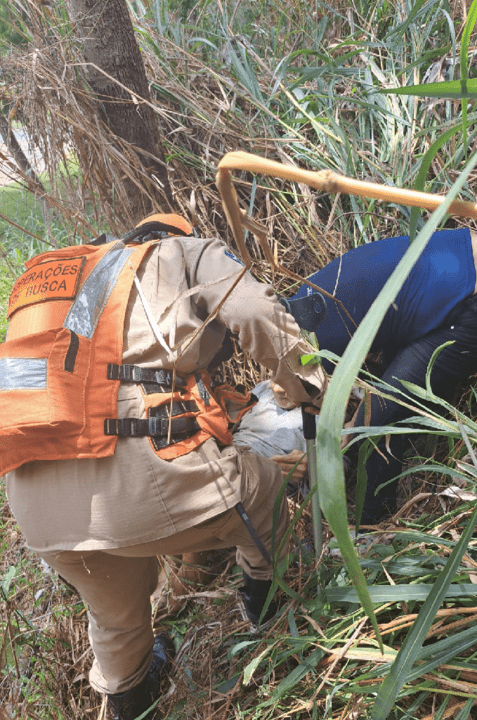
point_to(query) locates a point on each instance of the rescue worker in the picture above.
(117, 449)
(436, 304)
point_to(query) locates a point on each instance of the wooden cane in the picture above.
(324, 180)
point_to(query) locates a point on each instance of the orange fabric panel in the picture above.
(38, 318)
(233, 402)
(44, 423)
(210, 416)
(49, 280)
(66, 253)
(212, 419)
(51, 404)
(42, 315)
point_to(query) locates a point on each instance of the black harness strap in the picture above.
(165, 424)
(135, 373)
(70, 358)
(103, 239)
(179, 407)
(153, 230)
(155, 427)
(253, 533)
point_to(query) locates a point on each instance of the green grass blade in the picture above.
(402, 27)
(439, 653)
(308, 665)
(433, 655)
(452, 90)
(464, 45)
(414, 536)
(398, 593)
(464, 70)
(466, 711)
(409, 651)
(424, 171)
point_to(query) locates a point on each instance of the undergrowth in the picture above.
(298, 82)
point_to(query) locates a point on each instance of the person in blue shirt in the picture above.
(436, 304)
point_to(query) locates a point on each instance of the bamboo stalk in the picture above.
(323, 180)
(331, 182)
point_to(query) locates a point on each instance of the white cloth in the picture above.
(267, 429)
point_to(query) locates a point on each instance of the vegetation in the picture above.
(304, 83)
(8, 26)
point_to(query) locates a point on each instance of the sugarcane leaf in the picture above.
(397, 593)
(253, 665)
(297, 674)
(424, 168)
(451, 89)
(401, 668)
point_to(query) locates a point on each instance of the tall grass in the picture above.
(319, 101)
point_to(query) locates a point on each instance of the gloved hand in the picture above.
(282, 400)
(285, 402)
(288, 462)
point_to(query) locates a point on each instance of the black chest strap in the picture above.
(137, 374)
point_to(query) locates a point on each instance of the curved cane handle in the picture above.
(324, 180)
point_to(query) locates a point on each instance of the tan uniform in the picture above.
(135, 503)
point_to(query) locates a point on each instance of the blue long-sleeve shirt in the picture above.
(442, 277)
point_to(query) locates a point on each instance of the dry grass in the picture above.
(205, 115)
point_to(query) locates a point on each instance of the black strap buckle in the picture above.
(137, 374)
(155, 427)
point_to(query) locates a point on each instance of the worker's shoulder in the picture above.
(212, 250)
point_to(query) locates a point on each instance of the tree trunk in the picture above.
(109, 44)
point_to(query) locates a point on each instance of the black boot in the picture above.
(254, 593)
(134, 702)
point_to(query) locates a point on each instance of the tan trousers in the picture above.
(116, 585)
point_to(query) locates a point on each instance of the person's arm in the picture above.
(264, 328)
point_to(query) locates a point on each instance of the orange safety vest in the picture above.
(61, 366)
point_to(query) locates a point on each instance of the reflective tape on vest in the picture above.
(23, 373)
(91, 300)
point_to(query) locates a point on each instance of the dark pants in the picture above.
(453, 365)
